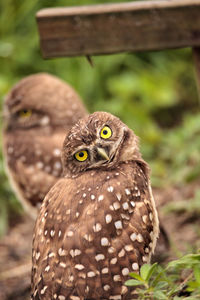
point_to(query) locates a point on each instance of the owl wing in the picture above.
(33, 168)
(34, 184)
(118, 230)
(96, 229)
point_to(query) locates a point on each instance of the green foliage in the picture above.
(180, 149)
(157, 283)
(191, 205)
(8, 203)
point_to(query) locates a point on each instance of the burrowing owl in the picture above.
(99, 222)
(38, 112)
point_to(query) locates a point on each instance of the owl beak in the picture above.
(102, 153)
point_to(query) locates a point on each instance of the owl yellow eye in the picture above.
(81, 155)
(25, 113)
(106, 132)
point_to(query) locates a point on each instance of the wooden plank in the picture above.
(124, 27)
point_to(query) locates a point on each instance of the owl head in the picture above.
(100, 140)
(33, 103)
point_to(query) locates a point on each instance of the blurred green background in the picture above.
(154, 93)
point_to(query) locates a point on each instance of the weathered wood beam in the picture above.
(123, 27)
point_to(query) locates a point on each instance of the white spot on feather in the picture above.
(62, 252)
(121, 253)
(119, 196)
(118, 224)
(45, 121)
(79, 267)
(135, 266)
(133, 237)
(116, 205)
(125, 271)
(113, 261)
(91, 274)
(99, 257)
(117, 278)
(108, 219)
(104, 271)
(56, 152)
(47, 269)
(101, 197)
(104, 242)
(43, 290)
(127, 191)
(140, 238)
(125, 205)
(97, 227)
(110, 189)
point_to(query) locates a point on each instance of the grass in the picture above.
(168, 283)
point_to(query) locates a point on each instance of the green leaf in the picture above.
(147, 270)
(187, 260)
(159, 295)
(197, 274)
(192, 286)
(151, 270)
(161, 284)
(144, 271)
(136, 276)
(132, 282)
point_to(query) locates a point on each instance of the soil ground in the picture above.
(182, 229)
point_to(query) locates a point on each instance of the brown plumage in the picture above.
(99, 222)
(38, 112)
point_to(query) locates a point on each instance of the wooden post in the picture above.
(122, 27)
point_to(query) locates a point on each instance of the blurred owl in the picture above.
(99, 222)
(38, 112)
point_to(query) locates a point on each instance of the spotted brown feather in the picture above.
(96, 225)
